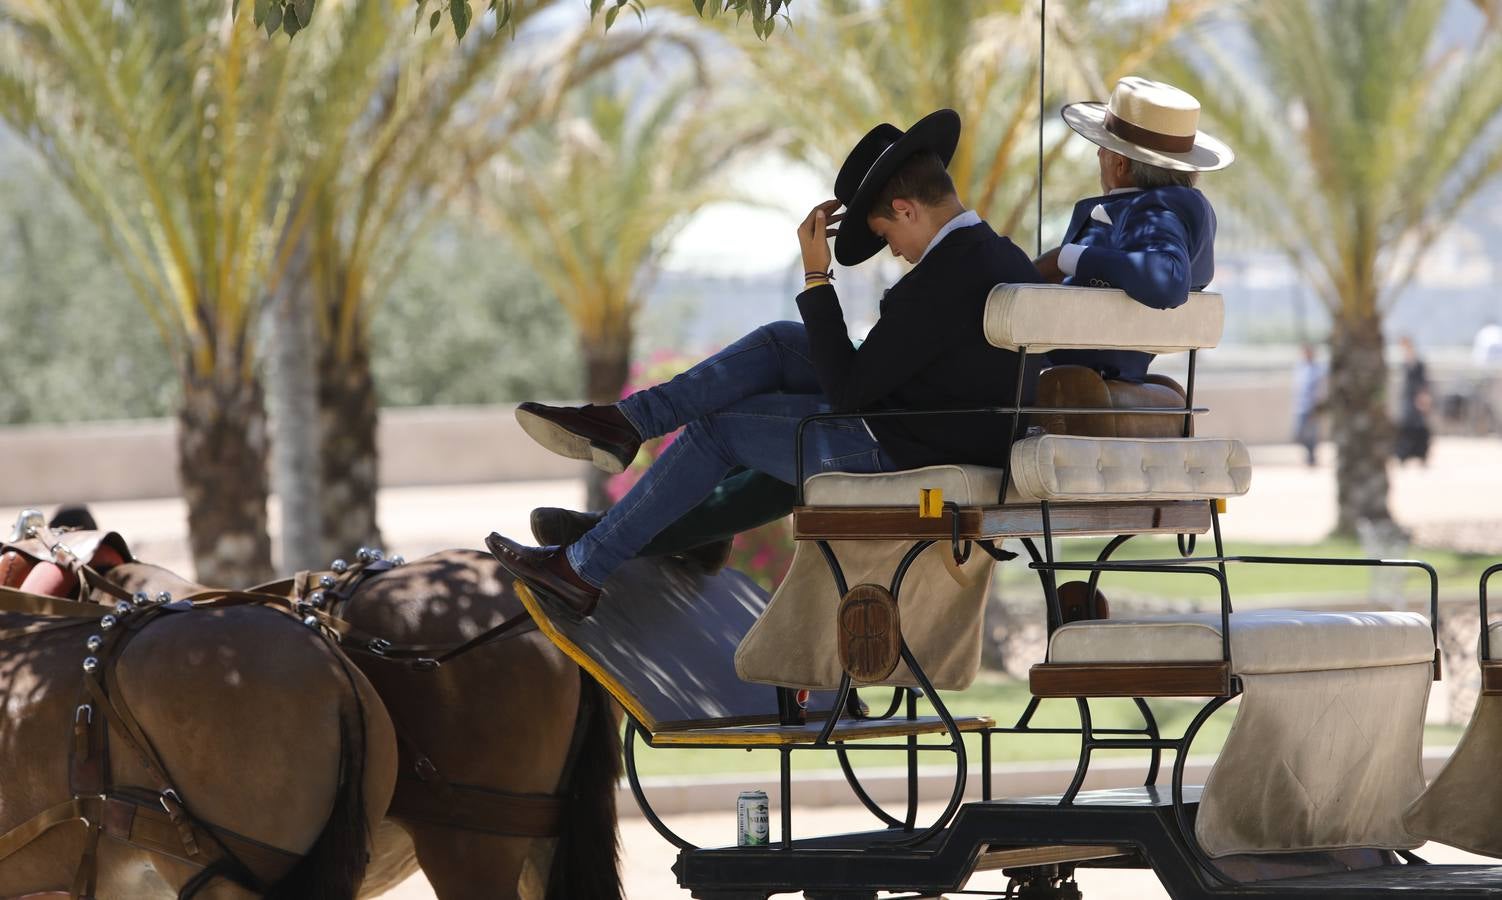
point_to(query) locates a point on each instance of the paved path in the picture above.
(1458, 491)
(647, 858)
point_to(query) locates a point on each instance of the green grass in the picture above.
(1002, 699)
(1256, 583)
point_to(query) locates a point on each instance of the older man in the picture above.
(1150, 232)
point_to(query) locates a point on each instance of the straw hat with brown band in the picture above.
(1151, 122)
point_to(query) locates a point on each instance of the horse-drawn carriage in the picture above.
(1318, 791)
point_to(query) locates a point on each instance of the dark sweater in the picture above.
(928, 350)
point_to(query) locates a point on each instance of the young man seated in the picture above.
(740, 408)
(1150, 233)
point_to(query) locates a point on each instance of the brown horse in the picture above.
(269, 738)
(497, 721)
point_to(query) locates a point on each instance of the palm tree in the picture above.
(165, 121)
(848, 64)
(592, 198)
(1359, 137)
(396, 138)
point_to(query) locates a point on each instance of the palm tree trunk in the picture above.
(347, 416)
(1359, 422)
(607, 365)
(222, 448)
(292, 382)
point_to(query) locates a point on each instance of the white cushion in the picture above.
(965, 485)
(1043, 317)
(1262, 641)
(1059, 467)
(1494, 632)
(1064, 467)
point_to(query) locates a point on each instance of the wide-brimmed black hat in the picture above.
(872, 163)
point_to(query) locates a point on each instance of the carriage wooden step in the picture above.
(1016, 857)
(786, 735)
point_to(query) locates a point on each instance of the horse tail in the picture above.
(586, 860)
(335, 865)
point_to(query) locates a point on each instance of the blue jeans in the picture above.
(739, 407)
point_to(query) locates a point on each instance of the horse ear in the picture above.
(74, 517)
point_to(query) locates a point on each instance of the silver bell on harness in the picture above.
(164, 597)
(326, 581)
(398, 560)
(363, 555)
(93, 643)
(28, 524)
(141, 598)
(339, 566)
(122, 608)
(90, 665)
(316, 599)
(106, 623)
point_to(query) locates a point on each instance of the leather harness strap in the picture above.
(475, 808)
(159, 823)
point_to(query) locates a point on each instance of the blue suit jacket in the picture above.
(1159, 246)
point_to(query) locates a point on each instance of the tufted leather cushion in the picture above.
(1059, 467)
(1262, 641)
(1081, 386)
(1064, 467)
(1045, 317)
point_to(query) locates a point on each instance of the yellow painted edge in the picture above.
(930, 503)
(584, 660)
(777, 736)
(1220, 505)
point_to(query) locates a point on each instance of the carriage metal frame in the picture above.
(1147, 827)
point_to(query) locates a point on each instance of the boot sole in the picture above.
(563, 442)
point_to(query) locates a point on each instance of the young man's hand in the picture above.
(1048, 266)
(814, 235)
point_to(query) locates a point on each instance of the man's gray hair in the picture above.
(1147, 177)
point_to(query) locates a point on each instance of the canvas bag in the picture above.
(942, 605)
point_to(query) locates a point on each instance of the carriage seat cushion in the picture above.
(1044, 317)
(1059, 467)
(1263, 642)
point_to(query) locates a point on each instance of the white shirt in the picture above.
(1069, 254)
(963, 220)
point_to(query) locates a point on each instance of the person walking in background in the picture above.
(1413, 414)
(1308, 401)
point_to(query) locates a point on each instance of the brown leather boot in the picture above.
(546, 569)
(599, 434)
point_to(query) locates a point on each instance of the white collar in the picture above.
(1122, 190)
(963, 220)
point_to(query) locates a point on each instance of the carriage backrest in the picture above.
(1044, 317)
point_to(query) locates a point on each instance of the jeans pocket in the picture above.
(864, 461)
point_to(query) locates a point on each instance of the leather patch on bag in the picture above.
(870, 633)
(1078, 603)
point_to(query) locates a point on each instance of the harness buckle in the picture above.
(172, 805)
(85, 712)
(378, 646)
(425, 664)
(425, 769)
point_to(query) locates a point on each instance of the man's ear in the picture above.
(903, 209)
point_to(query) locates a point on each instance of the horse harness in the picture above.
(423, 793)
(155, 819)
